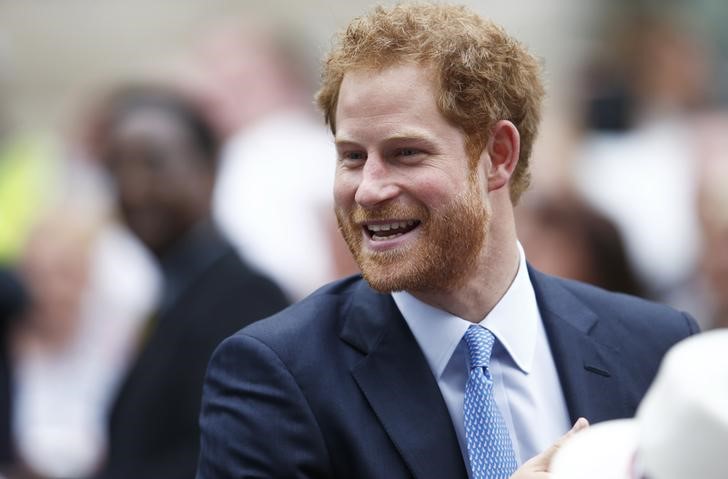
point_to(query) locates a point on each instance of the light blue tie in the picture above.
(489, 445)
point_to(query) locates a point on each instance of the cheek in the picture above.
(345, 185)
(440, 182)
(438, 191)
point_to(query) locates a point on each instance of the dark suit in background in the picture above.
(209, 294)
(13, 298)
(337, 386)
(160, 152)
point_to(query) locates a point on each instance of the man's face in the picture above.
(162, 183)
(408, 204)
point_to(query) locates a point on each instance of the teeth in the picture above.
(390, 226)
(387, 231)
(384, 238)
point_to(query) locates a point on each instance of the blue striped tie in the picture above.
(489, 445)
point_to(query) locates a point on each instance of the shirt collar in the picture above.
(513, 321)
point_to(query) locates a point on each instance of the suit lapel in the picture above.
(586, 355)
(396, 380)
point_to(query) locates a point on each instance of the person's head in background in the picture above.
(243, 70)
(566, 237)
(654, 65)
(667, 64)
(54, 267)
(161, 155)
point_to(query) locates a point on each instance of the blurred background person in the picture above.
(65, 349)
(255, 82)
(49, 427)
(161, 156)
(637, 163)
(713, 216)
(565, 236)
(706, 291)
(634, 147)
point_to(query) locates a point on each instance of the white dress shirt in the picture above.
(526, 385)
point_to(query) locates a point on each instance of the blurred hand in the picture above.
(538, 466)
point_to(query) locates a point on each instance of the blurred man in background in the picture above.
(161, 155)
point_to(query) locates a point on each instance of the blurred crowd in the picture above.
(635, 194)
(195, 200)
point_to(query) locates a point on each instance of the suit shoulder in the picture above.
(317, 314)
(614, 300)
(231, 267)
(631, 311)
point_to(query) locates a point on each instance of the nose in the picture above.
(133, 184)
(377, 183)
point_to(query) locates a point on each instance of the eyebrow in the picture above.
(402, 136)
(344, 141)
(407, 137)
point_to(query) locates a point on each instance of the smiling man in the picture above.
(451, 357)
(408, 202)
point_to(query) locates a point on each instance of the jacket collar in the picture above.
(397, 381)
(586, 354)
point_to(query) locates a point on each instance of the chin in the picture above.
(420, 272)
(386, 284)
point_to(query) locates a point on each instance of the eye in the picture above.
(352, 157)
(409, 154)
(408, 151)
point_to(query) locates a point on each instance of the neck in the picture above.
(491, 277)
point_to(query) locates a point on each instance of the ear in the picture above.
(503, 148)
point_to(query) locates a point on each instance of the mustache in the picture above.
(386, 212)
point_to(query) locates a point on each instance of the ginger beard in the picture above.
(450, 240)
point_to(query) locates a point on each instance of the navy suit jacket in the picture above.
(337, 386)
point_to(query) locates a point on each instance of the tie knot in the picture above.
(480, 344)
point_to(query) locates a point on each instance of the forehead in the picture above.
(150, 124)
(396, 97)
(399, 77)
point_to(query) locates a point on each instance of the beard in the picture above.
(442, 256)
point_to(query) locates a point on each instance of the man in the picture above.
(161, 155)
(451, 358)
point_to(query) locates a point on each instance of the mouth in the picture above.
(388, 230)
